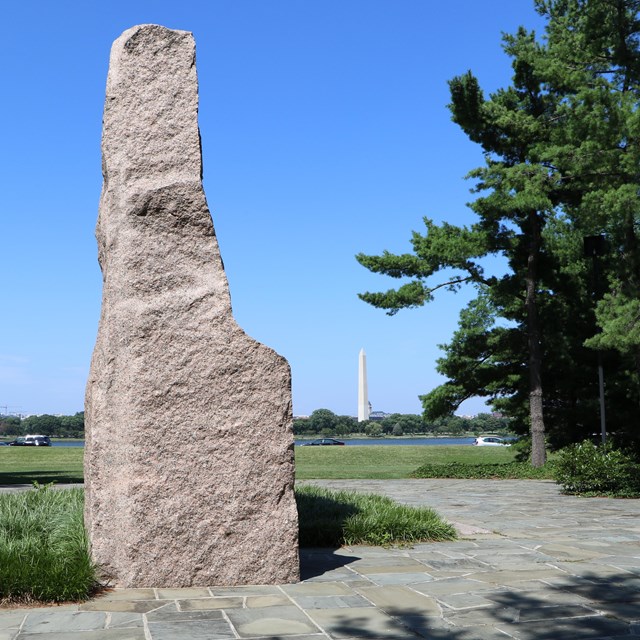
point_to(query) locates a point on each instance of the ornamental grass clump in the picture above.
(589, 469)
(44, 552)
(333, 518)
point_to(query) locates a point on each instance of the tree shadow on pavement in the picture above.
(320, 561)
(575, 607)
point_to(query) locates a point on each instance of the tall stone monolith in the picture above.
(189, 454)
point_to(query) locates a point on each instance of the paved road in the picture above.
(531, 564)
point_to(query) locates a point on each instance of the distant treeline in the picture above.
(46, 425)
(326, 423)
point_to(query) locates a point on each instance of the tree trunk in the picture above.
(536, 416)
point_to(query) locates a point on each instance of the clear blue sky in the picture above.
(325, 133)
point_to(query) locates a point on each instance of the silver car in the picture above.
(491, 441)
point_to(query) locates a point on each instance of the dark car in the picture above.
(31, 441)
(321, 442)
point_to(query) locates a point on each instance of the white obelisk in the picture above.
(363, 392)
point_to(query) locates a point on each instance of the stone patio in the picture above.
(530, 564)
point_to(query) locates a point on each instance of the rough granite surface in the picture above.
(189, 465)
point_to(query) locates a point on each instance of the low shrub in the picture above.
(587, 468)
(499, 471)
(44, 553)
(333, 518)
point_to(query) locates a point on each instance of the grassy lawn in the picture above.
(64, 464)
(385, 462)
(23, 465)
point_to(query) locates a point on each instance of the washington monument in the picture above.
(363, 394)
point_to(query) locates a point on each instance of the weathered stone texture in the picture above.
(189, 454)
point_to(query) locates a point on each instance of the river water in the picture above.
(400, 441)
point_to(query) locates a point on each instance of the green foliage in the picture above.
(499, 471)
(562, 162)
(522, 448)
(48, 425)
(44, 552)
(333, 518)
(45, 424)
(405, 423)
(373, 429)
(619, 318)
(10, 426)
(323, 421)
(397, 430)
(586, 468)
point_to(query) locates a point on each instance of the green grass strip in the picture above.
(333, 518)
(44, 553)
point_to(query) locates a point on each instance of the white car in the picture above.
(491, 441)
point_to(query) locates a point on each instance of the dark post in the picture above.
(594, 247)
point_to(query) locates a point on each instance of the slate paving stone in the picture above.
(625, 611)
(119, 620)
(453, 585)
(573, 553)
(465, 601)
(315, 636)
(318, 589)
(534, 614)
(331, 602)
(396, 600)
(361, 623)
(481, 617)
(539, 596)
(257, 602)
(589, 569)
(172, 613)
(626, 562)
(191, 630)
(513, 577)
(575, 629)
(245, 590)
(437, 574)
(399, 578)
(336, 576)
(211, 603)
(63, 621)
(182, 594)
(285, 621)
(378, 568)
(104, 634)
(605, 593)
(426, 626)
(128, 594)
(11, 619)
(457, 564)
(132, 606)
